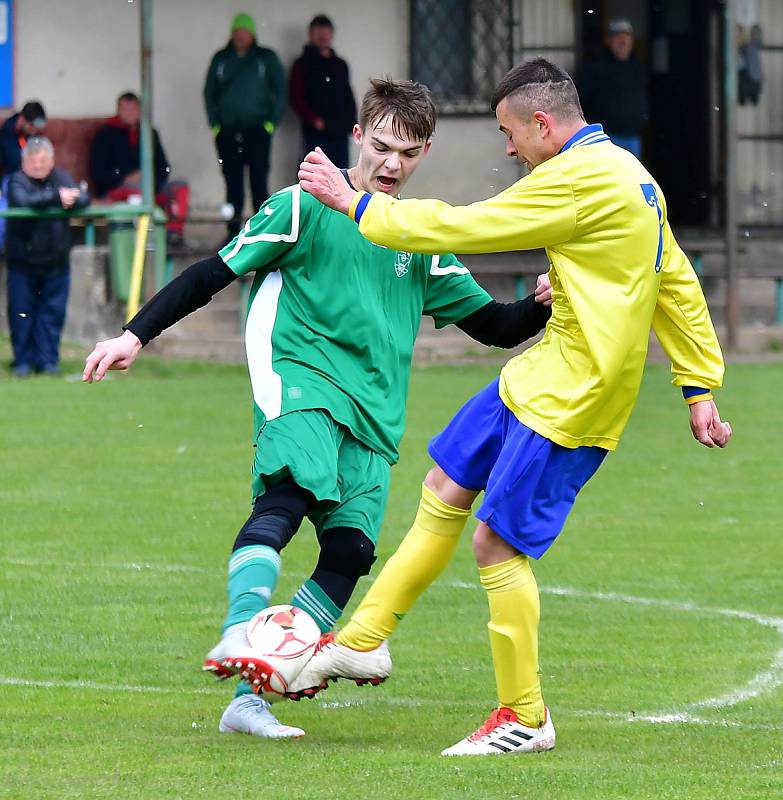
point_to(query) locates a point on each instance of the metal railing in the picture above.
(113, 213)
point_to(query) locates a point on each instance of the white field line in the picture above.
(134, 566)
(380, 698)
(762, 683)
(102, 687)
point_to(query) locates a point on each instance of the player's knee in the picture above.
(448, 490)
(346, 551)
(436, 480)
(277, 515)
(489, 548)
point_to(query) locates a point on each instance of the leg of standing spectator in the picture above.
(230, 145)
(335, 147)
(338, 151)
(631, 143)
(22, 306)
(258, 146)
(50, 319)
(310, 140)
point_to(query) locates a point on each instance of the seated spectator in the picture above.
(38, 254)
(115, 166)
(30, 121)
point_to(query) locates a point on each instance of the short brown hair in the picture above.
(409, 104)
(540, 85)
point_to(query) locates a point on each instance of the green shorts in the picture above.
(349, 481)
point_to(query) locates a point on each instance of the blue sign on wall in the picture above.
(6, 53)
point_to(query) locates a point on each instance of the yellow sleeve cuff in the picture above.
(355, 202)
(698, 398)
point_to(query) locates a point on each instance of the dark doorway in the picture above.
(675, 41)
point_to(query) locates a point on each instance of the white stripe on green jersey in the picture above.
(332, 317)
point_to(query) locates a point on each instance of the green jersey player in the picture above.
(331, 324)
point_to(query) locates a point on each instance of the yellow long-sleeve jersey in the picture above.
(616, 270)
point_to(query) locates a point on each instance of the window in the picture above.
(461, 49)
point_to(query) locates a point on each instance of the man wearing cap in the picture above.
(15, 131)
(245, 96)
(613, 89)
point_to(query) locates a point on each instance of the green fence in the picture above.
(121, 220)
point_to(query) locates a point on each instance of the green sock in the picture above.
(314, 600)
(252, 577)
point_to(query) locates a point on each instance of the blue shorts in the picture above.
(530, 482)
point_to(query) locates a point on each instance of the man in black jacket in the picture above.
(38, 253)
(613, 89)
(115, 161)
(30, 121)
(320, 91)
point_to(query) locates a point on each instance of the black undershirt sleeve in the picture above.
(190, 290)
(506, 324)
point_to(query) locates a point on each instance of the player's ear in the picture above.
(543, 122)
(357, 135)
(427, 147)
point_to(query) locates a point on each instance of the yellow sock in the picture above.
(514, 611)
(419, 559)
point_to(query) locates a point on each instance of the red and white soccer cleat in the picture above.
(504, 733)
(332, 660)
(233, 655)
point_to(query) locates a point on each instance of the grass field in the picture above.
(662, 608)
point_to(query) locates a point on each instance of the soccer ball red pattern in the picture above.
(284, 637)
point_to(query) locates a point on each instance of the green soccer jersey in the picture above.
(332, 318)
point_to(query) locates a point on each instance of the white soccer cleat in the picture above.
(504, 733)
(250, 714)
(333, 660)
(232, 655)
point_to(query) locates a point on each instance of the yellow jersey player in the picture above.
(534, 437)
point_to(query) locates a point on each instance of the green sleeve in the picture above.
(267, 237)
(211, 94)
(279, 88)
(452, 292)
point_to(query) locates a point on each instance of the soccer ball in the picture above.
(283, 638)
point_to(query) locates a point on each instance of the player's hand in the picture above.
(707, 426)
(319, 177)
(117, 353)
(543, 290)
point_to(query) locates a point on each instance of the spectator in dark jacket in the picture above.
(115, 161)
(320, 91)
(38, 254)
(245, 97)
(30, 121)
(613, 89)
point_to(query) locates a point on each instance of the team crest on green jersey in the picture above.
(402, 263)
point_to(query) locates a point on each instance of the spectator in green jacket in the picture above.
(245, 96)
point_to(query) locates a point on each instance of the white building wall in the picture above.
(77, 56)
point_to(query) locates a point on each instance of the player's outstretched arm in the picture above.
(322, 179)
(510, 324)
(192, 289)
(707, 426)
(118, 353)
